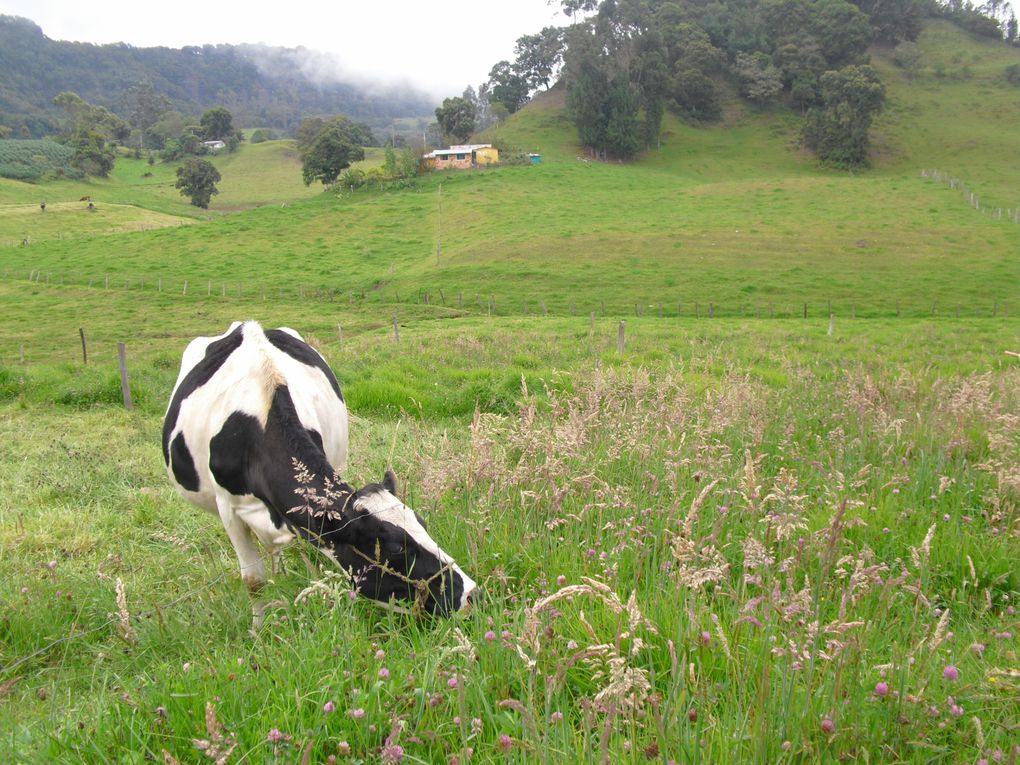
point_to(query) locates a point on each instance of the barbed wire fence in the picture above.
(1011, 214)
(387, 297)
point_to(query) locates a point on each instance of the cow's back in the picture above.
(238, 372)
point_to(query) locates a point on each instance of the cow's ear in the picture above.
(389, 482)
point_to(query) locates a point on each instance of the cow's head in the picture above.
(393, 558)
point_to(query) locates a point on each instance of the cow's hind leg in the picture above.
(253, 570)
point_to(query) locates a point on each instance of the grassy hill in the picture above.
(735, 215)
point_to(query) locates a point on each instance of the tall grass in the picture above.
(756, 543)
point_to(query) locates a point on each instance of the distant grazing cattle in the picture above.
(256, 431)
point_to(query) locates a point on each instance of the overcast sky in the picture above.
(440, 46)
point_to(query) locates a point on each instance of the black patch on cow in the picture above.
(183, 464)
(304, 353)
(245, 458)
(231, 451)
(216, 354)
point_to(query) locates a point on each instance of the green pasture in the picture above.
(865, 245)
(535, 450)
(732, 219)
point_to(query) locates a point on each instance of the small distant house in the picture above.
(214, 145)
(463, 157)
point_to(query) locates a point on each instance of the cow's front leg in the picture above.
(253, 570)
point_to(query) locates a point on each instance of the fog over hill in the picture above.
(262, 85)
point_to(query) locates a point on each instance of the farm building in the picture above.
(463, 157)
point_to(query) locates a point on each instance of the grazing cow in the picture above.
(256, 431)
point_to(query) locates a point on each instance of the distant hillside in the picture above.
(261, 86)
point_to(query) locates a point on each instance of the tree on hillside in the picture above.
(146, 108)
(507, 85)
(81, 115)
(197, 178)
(217, 124)
(651, 78)
(893, 20)
(538, 56)
(330, 152)
(92, 154)
(838, 130)
(456, 117)
(760, 81)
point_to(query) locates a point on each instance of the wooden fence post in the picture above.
(84, 349)
(805, 310)
(396, 329)
(340, 333)
(711, 310)
(185, 290)
(620, 337)
(125, 389)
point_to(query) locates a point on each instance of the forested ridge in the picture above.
(260, 85)
(624, 63)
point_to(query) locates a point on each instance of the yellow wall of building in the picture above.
(487, 156)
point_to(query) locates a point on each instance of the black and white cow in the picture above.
(256, 431)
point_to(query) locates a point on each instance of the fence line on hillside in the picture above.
(384, 297)
(997, 213)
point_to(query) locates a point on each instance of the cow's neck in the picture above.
(303, 488)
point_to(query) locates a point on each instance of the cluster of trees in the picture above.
(216, 124)
(625, 62)
(511, 84)
(630, 60)
(94, 131)
(330, 146)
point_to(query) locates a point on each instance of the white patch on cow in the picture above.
(386, 507)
